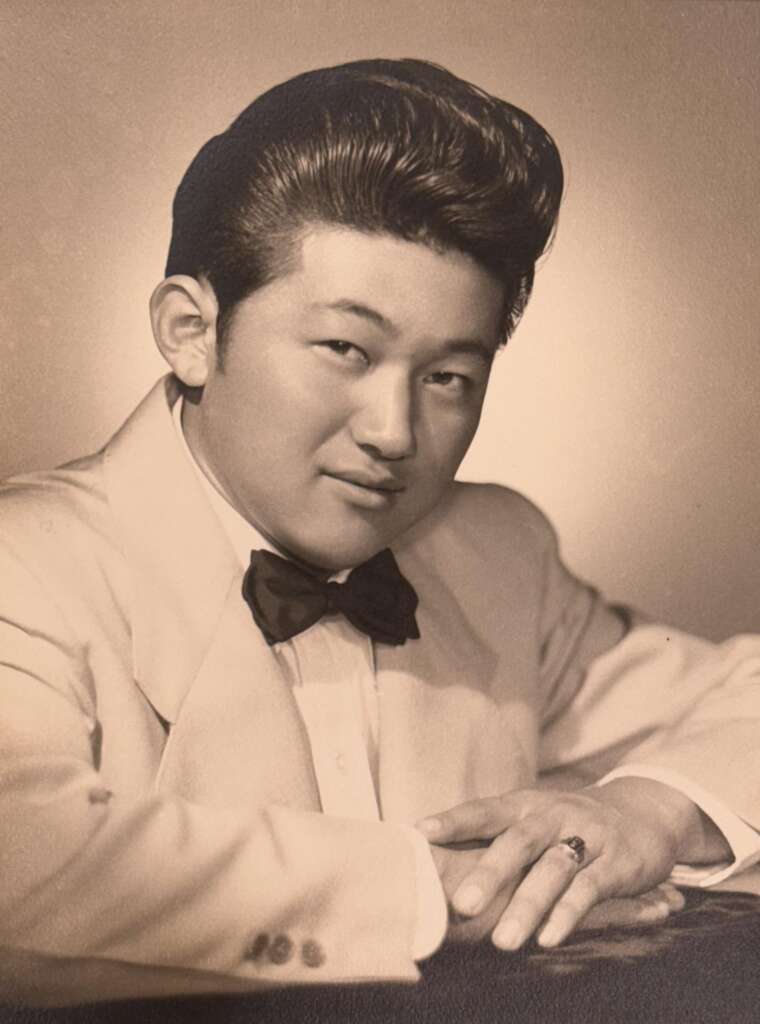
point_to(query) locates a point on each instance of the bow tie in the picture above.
(285, 599)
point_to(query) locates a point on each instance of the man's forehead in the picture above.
(390, 283)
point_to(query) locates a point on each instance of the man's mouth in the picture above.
(369, 482)
(368, 491)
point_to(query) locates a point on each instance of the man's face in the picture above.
(351, 389)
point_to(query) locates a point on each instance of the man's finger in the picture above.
(675, 898)
(534, 897)
(634, 911)
(503, 863)
(475, 819)
(589, 887)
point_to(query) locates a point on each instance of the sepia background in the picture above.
(628, 403)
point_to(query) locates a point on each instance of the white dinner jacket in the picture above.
(158, 805)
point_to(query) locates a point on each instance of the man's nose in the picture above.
(383, 420)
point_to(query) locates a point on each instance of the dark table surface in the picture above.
(701, 967)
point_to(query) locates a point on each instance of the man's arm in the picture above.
(636, 827)
(652, 697)
(272, 895)
(664, 701)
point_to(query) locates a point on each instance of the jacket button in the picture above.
(257, 947)
(280, 949)
(312, 953)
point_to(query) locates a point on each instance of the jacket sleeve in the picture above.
(617, 690)
(113, 885)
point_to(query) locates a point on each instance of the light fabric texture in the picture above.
(158, 801)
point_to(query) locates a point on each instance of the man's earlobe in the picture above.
(183, 313)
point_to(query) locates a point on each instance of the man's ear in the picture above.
(183, 314)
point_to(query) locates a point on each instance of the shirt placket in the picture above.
(334, 689)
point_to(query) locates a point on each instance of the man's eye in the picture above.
(449, 380)
(346, 350)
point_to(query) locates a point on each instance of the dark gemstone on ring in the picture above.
(576, 846)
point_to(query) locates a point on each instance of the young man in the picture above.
(225, 701)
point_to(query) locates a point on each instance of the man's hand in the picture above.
(454, 865)
(635, 831)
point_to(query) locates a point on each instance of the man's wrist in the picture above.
(694, 837)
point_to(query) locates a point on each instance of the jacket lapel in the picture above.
(238, 739)
(199, 660)
(180, 561)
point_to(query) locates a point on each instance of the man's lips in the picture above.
(369, 481)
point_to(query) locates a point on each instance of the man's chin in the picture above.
(332, 556)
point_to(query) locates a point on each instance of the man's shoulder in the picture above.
(485, 526)
(75, 497)
(53, 508)
(76, 486)
(495, 513)
(496, 499)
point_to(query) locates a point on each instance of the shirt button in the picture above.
(312, 953)
(257, 947)
(340, 762)
(99, 795)
(281, 949)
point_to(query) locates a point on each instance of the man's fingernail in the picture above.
(467, 900)
(429, 826)
(508, 935)
(550, 935)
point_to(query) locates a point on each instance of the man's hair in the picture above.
(400, 147)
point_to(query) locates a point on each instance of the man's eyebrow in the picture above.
(470, 346)
(359, 309)
(465, 346)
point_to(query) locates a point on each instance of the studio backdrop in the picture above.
(627, 405)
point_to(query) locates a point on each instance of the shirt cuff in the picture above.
(743, 840)
(432, 916)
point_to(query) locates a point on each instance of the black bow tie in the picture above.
(285, 599)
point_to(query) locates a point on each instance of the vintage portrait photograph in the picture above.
(379, 514)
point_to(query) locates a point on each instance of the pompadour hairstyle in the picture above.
(400, 147)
